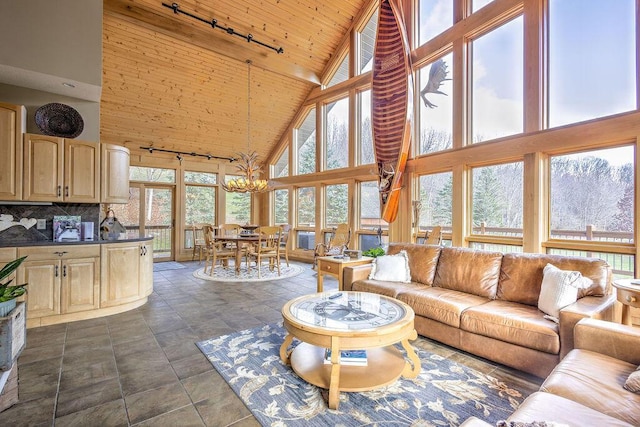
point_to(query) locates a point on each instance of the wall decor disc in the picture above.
(60, 120)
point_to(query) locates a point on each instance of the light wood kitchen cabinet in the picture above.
(126, 272)
(115, 173)
(12, 126)
(60, 279)
(61, 170)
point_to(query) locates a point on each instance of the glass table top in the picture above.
(346, 310)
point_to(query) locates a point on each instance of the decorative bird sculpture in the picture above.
(437, 75)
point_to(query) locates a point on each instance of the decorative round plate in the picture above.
(59, 120)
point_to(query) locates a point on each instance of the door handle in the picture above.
(59, 190)
(64, 270)
(66, 191)
(56, 271)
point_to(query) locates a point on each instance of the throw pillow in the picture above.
(391, 268)
(559, 289)
(633, 382)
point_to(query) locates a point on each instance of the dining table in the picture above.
(240, 241)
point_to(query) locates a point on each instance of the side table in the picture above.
(628, 293)
(334, 267)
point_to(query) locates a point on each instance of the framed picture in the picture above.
(66, 228)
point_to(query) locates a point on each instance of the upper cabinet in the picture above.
(115, 174)
(61, 170)
(12, 126)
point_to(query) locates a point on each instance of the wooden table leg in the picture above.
(285, 355)
(626, 315)
(320, 286)
(411, 370)
(334, 381)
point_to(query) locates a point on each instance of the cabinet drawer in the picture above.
(329, 267)
(629, 298)
(36, 253)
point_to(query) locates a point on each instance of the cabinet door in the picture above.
(80, 286)
(12, 118)
(146, 269)
(81, 176)
(43, 168)
(43, 287)
(120, 273)
(115, 174)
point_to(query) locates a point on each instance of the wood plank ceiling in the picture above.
(172, 82)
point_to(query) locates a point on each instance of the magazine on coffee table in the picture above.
(348, 357)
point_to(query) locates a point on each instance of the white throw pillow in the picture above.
(559, 289)
(391, 268)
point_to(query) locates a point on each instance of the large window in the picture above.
(435, 17)
(365, 136)
(281, 168)
(341, 74)
(237, 206)
(497, 92)
(592, 59)
(372, 229)
(337, 134)
(337, 204)
(306, 144)
(592, 195)
(141, 173)
(436, 106)
(478, 4)
(497, 199)
(436, 193)
(306, 198)
(367, 41)
(200, 197)
(281, 214)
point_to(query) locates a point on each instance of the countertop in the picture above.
(83, 242)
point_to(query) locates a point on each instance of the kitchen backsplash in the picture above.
(19, 234)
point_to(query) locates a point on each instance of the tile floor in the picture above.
(142, 368)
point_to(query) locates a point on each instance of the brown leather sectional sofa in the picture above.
(586, 388)
(485, 302)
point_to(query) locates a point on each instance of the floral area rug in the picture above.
(229, 274)
(444, 394)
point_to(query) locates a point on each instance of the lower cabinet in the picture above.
(61, 279)
(126, 272)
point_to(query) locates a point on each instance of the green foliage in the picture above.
(374, 252)
(8, 292)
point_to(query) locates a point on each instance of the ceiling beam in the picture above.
(135, 12)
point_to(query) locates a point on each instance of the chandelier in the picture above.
(248, 167)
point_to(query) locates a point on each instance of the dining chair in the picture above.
(284, 241)
(198, 241)
(215, 251)
(268, 247)
(339, 241)
(433, 237)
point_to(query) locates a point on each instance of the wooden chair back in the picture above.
(433, 237)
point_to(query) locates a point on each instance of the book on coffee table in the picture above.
(348, 357)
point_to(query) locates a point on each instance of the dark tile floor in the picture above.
(142, 368)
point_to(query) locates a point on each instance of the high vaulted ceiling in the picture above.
(173, 82)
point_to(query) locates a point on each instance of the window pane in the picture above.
(370, 207)
(478, 4)
(497, 200)
(139, 173)
(200, 177)
(496, 247)
(281, 198)
(592, 59)
(342, 73)
(238, 206)
(306, 206)
(498, 83)
(366, 133)
(435, 200)
(281, 168)
(592, 195)
(435, 17)
(622, 265)
(367, 42)
(200, 205)
(436, 109)
(337, 135)
(337, 205)
(306, 142)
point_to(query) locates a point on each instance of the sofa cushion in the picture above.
(443, 305)
(514, 323)
(521, 275)
(546, 406)
(559, 289)
(595, 380)
(422, 260)
(469, 270)
(393, 268)
(633, 381)
(383, 287)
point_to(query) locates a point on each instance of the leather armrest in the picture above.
(609, 338)
(354, 273)
(587, 307)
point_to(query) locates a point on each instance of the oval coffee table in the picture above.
(349, 321)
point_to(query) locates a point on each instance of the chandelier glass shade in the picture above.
(247, 168)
